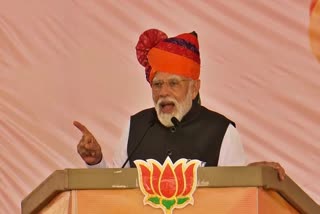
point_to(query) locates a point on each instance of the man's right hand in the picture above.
(88, 147)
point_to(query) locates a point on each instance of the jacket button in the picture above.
(173, 129)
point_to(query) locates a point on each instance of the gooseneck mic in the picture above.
(176, 124)
(175, 121)
(139, 143)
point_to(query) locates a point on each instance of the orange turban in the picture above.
(177, 55)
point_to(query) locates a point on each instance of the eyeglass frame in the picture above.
(173, 83)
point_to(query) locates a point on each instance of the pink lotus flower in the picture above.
(167, 186)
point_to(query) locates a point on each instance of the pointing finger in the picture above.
(81, 127)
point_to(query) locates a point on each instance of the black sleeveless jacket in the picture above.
(198, 136)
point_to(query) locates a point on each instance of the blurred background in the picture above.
(67, 60)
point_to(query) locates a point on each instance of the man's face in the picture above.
(172, 96)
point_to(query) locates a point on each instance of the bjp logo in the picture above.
(314, 28)
(167, 186)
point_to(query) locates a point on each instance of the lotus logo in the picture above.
(167, 186)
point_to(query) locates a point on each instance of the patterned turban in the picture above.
(177, 55)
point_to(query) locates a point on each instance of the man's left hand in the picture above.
(275, 165)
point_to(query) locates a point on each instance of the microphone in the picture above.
(176, 124)
(139, 143)
(175, 121)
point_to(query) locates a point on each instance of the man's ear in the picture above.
(195, 88)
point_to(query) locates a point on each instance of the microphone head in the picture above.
(175, 121)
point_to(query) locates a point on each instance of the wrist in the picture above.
(96, 162)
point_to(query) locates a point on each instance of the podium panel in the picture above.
(61, 204)
(247, 190)
(250, 200)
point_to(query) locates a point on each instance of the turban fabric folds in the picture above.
(177, 55)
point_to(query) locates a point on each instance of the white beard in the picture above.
(181, 109)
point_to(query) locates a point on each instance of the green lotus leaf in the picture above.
(182, 200)
(168, 203)
(154, 200)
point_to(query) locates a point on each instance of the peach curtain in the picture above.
(68, 60)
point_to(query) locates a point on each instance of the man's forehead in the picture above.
(164, 75)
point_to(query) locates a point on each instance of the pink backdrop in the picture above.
(69, 60)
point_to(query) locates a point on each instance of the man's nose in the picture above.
(164, 90)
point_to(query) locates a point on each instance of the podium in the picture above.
(249, 190)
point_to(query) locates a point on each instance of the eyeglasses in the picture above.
(174, 84)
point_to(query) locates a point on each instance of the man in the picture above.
(178, 126)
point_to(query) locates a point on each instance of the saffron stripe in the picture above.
(179, 50)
